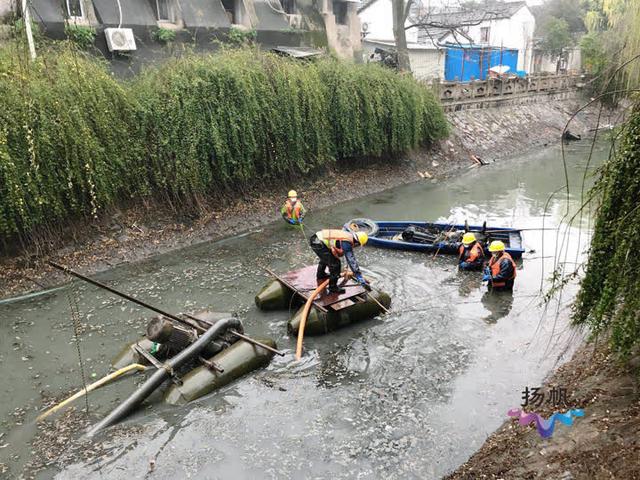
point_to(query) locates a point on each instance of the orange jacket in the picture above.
(500, 274)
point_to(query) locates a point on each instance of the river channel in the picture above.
(408, 395)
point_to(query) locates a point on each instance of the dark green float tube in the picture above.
(319, 323)
(237, 360)
(274, 296)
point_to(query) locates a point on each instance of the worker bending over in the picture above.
(330, 246)
(501, 271)
(293, 211)
(471, 253)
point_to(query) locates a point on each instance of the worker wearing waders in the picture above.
(471, 253)
(330, 246)
(293, 211)
(501, 271)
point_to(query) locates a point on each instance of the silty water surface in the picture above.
(408, 395)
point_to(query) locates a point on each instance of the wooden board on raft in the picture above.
(303, 282)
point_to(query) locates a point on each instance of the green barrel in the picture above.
(237, 360)
(127, 356)
(274, 296)
(319, 322)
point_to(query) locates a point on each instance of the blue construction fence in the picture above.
(463, 64)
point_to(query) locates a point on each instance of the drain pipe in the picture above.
(162, 374)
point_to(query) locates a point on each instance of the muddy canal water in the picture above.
(409, 395)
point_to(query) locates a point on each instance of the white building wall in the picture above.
(6, 6)
(427, 64)
(515, 32)
(379, 20)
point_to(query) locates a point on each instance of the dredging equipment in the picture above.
(328, 312)
(199, 353)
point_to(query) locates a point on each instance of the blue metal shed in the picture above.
(473, 62)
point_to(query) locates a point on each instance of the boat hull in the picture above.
(385, 232)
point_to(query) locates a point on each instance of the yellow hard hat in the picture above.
(496, 246)
(468, 238)
(292, 193)
(362, 237)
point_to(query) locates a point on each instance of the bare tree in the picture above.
(454, 18)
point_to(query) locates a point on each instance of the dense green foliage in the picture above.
(164, 35)
(66, 143)
(74, 140)
(556, 36)
(83, 36)
(609, 298)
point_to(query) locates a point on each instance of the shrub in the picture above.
(75, 141)
(164, 35)
(82, 36)
(609, 297)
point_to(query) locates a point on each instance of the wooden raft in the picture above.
(303, 282)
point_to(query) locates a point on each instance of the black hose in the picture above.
(162, 374)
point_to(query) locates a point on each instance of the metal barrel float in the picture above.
(235, 361)
(320, 322)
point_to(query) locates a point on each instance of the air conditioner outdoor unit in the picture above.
(120, 39)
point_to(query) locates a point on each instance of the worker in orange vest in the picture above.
(293, 211)
(501, 271)
(471, 253)
(330, 246)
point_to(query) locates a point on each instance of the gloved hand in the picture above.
(292, 221)
(486, 271)
(442, 245)
(486, 278)
(360, 279)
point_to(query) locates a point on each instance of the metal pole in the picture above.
(161, 312)
(127, 297)
(26, 18)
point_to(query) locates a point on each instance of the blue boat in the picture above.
(434, 237)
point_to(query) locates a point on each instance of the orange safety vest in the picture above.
(331, 237)
(494, 266)
(293, 211)
(475, 253)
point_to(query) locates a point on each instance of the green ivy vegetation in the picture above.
(164, 35)
(74, 141)
(241, 36)
(609, 297)
(81, 35)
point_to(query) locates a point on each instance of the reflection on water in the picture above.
(410, 394)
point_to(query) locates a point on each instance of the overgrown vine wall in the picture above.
(609, 298)
(74, 141)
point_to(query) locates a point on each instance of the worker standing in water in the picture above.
(471, 253)
(330, 246)
(293, 211)
(501, 271)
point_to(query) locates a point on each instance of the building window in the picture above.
(230, 8)
(162, 7)
(288, 6)
(340, 12)
(75, 9)
(484, 34)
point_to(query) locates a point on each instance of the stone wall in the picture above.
(493, 133)
(515, 90)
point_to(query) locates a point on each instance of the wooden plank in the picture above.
(303, 282)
